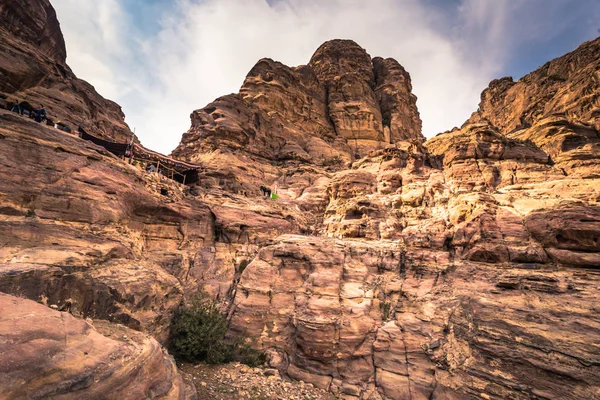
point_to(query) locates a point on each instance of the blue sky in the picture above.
(161, 59)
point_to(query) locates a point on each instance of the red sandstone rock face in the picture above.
(453, 259)
(556, 107)
(346, 70)
(398, 105)
(74, 233)
(462, 267)
(33, 68)
(339, 106)
(51, 355)
(35, 23)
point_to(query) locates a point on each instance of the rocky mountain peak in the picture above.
(341, 105)
(338, 57)
(387, 267)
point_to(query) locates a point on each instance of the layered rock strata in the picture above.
(465, 266)
(556, 107)
(48, 354)
(33, 68)
(445, 253)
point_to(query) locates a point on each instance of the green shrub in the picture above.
(247, 355)
(198, 333)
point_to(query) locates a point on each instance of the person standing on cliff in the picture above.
(265, 191)
(40, 115)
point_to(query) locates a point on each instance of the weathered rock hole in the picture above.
(485, 256)
(257, 121)
(243, 265)
(353, 214)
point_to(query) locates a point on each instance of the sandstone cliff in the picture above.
(341, 105)
(556, 107)
(459, 267)
(33, 68)
(390, 267)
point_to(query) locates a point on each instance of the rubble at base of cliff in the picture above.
(237, 381)
(363, 259)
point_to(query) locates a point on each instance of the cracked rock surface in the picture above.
(389, 267)
(51, 354)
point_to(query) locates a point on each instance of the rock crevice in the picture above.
(388, 267)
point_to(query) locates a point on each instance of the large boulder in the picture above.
(47, 354)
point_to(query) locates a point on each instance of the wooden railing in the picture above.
(177, 170)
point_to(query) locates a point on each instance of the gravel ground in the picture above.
(237, 381)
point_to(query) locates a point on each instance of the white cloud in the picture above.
(205, 48)
(93, 32)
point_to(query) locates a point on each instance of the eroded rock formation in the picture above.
(455, 259)
(340, 106)
(33, 68)
(557, 107)
(390, 267)
(50, 354)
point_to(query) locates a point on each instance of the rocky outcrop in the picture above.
(346, 70)
(453, 260)
(398, 105)
(556, 107)
(388, 268)
(35, 24)
(479, 158)
(33, 68)
(443, 281)
(372, 319)
(87, 233)
(48, 354)
(338, 107)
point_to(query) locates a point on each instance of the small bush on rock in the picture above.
(198, 333)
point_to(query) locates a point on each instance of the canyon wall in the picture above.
(389, 267)
(459, 267)
(33, 68)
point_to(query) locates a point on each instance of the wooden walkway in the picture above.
(137, 154)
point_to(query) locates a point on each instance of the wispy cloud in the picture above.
(203, 49)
